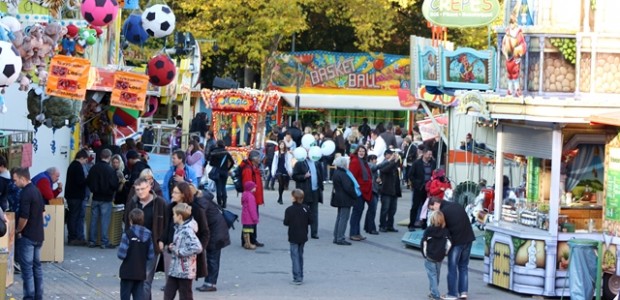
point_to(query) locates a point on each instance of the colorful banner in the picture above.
(320, 72)
(68, 77)
(129, 90)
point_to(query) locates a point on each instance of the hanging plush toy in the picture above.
(86, 37)
(158, 20)
(99, 12)
(69, 41)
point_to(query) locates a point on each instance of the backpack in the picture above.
(236, 177)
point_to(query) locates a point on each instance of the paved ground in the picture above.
(378, 268)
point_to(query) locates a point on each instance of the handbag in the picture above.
(230, 218)
(214, 174)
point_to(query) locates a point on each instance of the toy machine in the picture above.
(238, 117)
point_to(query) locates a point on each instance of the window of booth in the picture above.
(236, 129)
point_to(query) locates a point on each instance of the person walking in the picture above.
(271, 148)
(419, 175)
(178, 172)
(249, 213)
(75, 194)
(390, 191)
(103, 183)
(154, 208)
(135, 251)
(29, 234)
(309, 178)
(221, 158)
(251, 172)
(435, 245)
(462, 237)
(184, 249)
(281, 168)
(361, 171)
(195, 158)
(297, 217)
(345, 192)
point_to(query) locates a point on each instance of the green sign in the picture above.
(612, 197)
(460, 13)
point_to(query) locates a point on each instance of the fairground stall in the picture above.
(238, 117)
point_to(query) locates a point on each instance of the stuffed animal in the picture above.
(54, 32)
(69, 41)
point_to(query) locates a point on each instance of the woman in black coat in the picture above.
(219, 238)
(221, 159)
(344, 194)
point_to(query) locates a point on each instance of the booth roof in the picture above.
(345, 101)
(611, 118)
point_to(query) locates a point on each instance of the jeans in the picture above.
(100, 211)
(458, 261)
(433, 268)
(213, 266)
(151, 265)
(419, 196)
(342, 219)
(371, 212)
(30, 262)
(131, 288)
(356, 216)
(74, 226)
(388, 209)
(220, 188)
(297, 257)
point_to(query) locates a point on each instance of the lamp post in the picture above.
(298, 82)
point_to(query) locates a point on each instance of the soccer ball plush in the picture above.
(158, 20)
(99, 12)
(133, 31)
(161, 70)
(10, 64)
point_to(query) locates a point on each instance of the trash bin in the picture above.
(115, 230)
(582, 268)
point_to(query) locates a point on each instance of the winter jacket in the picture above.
(218, 228)
(287, 163)
(190, 177)
(437, 187)
(416, 174)
(199, 215)
(271, 148)
(195, 161)
(343, 194)
(160, 220)
(376, 187)
(435, 243)
(253, 173)
(249, 210)
(135, 250)
(102, 182)
(76, 181)
(390, 182)
(355, 166)
(457, 222)
(186, 247)
(297, 217)
(135, 171)
(305, 184)
(220, 157)
(44, 183)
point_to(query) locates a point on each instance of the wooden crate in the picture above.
(53, 248)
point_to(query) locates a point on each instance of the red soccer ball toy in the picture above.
(161, 70)
(99, 12)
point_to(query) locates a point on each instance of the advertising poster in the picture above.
(68, 77)
(612, 201)
(129, 90)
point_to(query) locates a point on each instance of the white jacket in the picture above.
(287, 163)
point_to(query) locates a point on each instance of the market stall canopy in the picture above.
(345, 101)
(612, 118)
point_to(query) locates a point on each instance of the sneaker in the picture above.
(448, 297)
(259, 244)
(431, 297)
(206, 288)
(296, 282)
(356, 238)
(463, 295)
(92, 245)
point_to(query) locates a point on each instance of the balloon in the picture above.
(328, 147)
(300, 153)
(315, 153)
(308, 141)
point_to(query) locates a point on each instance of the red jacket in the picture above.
(436, 188)
(252, 173)
(45, 187)
(355, 166)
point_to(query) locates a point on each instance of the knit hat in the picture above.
(254, 154)
(249, 185)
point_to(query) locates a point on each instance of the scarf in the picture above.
(364, 166)
(358, 191)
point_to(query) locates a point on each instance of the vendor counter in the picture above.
(530, 260)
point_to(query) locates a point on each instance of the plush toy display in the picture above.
(99, 12)
(161, 70)
(10, 64)
(133, 30)
(69, 41)
(158, 20)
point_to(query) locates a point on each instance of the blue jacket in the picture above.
(190, 177)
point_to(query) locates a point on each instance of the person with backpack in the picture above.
(221, 159)
(250, 171)
(435, 245)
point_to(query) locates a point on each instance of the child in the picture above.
(249, 214)
(184, 248)
(135, 250)
(297, 218)
(435, 246)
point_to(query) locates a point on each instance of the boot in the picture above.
(246, 242)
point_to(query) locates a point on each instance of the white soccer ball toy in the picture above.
(315, 153)
(10, 64)
(328, 147)
(308, 141)
(158, 20)
(300, 153)
(12, 23)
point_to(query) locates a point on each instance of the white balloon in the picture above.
(328, 147)
(315, 153)
(300, 153)
(308, 141)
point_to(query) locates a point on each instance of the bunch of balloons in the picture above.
(309, 148)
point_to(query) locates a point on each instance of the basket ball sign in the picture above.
(129, 90)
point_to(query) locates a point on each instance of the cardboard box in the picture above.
(53, 248)
(7, 244)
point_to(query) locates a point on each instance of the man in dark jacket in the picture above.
(462, 237)
(295, 132)
(102, 182)
(200, 125)
(390, 190)
(309, 178)
(419, 175)
(219, 238)
(389, 137)
(75, 193)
